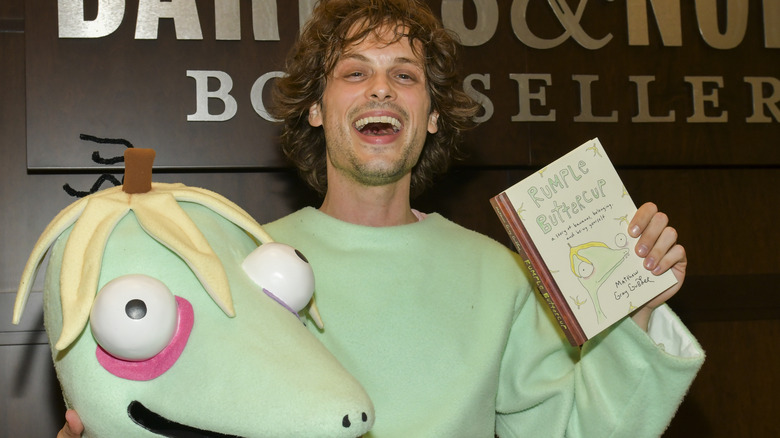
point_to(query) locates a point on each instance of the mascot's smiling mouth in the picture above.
(158, 424)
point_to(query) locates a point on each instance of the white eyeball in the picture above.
(621, 240)
(134, 317)
(283, 271)
(584, 269)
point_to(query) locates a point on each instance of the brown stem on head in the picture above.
(138, 170)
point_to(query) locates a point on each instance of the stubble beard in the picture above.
(372, 173)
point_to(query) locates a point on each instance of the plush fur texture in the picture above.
(449, 317)
(259, 373)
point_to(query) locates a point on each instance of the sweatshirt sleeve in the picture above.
(622, 383)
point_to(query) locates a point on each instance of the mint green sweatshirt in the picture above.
(441, 326)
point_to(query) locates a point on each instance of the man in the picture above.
(441, 324)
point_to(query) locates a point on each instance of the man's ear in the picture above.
(315, 115)
(433, 122)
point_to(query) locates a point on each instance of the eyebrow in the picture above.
(396, 61)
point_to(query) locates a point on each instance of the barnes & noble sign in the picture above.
(191, 78)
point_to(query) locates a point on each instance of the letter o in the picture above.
(256, 95)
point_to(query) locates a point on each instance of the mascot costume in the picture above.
(166, 318)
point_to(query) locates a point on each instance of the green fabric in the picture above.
(441, 327)
(260, 373)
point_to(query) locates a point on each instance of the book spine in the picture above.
(544, 281)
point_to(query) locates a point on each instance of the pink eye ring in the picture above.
(157, 365)
(140, 327)
(134, 317)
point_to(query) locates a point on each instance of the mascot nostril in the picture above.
(347, 423)
(153, 321)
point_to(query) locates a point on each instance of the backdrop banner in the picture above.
(191, 79)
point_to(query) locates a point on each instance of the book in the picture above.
(569, 223)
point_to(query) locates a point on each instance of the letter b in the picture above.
(203, 95)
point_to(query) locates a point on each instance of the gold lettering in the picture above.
(667, 17)
(700, 98)
(770, 102)
(736, 22)
(526, 96)
(643, 113)
(586, 104)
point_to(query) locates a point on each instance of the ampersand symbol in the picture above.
(569, 19)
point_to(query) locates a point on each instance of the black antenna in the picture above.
(100, 160)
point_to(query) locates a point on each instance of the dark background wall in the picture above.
(715, 178)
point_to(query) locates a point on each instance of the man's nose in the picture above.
(381, 88)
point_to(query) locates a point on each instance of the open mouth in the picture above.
(160, 425)
(378, 125)
(156, 423)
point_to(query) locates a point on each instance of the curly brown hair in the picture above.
(331, 31)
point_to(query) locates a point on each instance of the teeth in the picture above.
(360, 124)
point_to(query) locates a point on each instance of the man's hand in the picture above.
(658, 246)
(73, 426)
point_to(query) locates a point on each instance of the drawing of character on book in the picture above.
(592, 263)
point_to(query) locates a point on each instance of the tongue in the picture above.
(378, 129)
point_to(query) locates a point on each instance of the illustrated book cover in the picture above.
(569, 223)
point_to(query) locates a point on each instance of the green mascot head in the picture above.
(172, 313)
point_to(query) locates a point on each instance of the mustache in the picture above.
(379, 106)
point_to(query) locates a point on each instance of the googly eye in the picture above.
(283, 271)
(134, 317)
(584, 269)
(621, 240)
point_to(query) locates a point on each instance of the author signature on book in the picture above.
(629, 283)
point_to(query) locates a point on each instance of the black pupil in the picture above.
(135, 309)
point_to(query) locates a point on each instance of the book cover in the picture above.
(569, 223)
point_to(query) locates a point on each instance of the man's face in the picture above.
(375, 112)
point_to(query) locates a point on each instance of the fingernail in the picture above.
(635, 230)
(649, 263)
(642, 251)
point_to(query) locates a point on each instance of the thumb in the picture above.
(73, 426)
